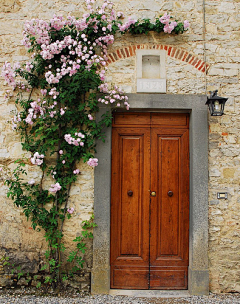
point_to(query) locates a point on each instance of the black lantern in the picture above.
(216, 104)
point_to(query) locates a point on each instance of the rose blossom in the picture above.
(92, 162)
(70, 210)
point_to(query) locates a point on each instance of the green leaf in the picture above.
(38, 285)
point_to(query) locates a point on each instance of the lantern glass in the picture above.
(216, 106)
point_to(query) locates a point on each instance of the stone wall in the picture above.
(216, 49)
(223, 55)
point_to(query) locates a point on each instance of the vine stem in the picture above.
(65, 207)
(58, 252)
(25, 129)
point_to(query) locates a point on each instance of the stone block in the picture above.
(5, 281)
(222, 72)
(229, 172)
(22, 282)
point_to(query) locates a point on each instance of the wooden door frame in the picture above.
(198, 282)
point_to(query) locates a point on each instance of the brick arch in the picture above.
(172, 51)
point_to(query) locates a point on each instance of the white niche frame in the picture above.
(151, 85)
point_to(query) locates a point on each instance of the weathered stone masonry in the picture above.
(205, 58)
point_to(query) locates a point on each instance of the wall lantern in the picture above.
(216, 104)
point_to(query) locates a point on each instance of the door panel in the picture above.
(168, 223)
(149, 234)
(169, 209)
(130, 208)
(132, 183)
(168, 278)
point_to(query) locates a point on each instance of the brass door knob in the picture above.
(153, 193)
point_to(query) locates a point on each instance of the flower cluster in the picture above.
(79, 51)
(57, 22)
(75, 141)
(90, 117)
(170, 25)
(33, 111)
(70, 210)
(31, 181)
(37, 159)
(53, 92)
(55, 187)
(186, 24)
(9, 74)
(113, 96)
(92, 162)
(16, 119)
(37, 28)
(77, 171)
(126, 26)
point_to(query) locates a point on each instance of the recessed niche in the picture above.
(151, 71)
(150, 66)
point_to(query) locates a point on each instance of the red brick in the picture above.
(173, 52)
(115, 56)
(180, 54)
(169, 50)
(134, 49)
(224, 133)
(127, 52)
(111, 56)
(189, 57)
(177, 53)
(184, 56)
(130, 51)
(191, 60)
(194, 61)
(201, 66)
(199, 62)
(204, 68)
(119, 54)
(109, 61)
(123, 53)
(207, 67)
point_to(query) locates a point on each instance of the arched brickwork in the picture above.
(172, 51)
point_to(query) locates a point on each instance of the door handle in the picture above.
(153, 193)
(130, 193)
(170, 193)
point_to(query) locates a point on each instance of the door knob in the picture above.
(170, 193)
(130, 193)
(153, 193)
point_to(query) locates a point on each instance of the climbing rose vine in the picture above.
(56, 97)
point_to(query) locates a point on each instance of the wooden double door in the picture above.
(150, 201)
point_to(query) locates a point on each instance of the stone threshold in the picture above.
(150, 293)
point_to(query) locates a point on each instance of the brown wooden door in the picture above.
(149, 234)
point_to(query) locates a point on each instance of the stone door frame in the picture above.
(198, 225)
